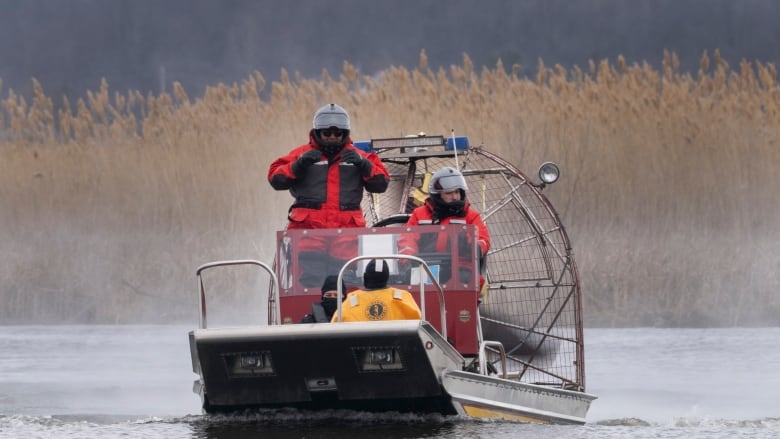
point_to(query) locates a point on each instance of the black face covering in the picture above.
(330, 149)
(329, 305)
(444, 210)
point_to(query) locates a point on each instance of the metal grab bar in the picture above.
(483, 357)
(202, 290)
(442, 306)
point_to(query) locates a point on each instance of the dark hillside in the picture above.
(69, 45)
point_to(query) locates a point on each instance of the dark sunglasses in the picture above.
(329, 132)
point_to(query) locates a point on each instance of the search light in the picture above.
(242, 364)
(549, 172)
(379, 358)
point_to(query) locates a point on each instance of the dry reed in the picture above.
(669, 185)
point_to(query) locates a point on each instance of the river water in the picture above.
(136, 382)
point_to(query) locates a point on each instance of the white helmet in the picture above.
(446, 180)
(331, 115)
(326, 117)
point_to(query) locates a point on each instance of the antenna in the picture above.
(455, 150)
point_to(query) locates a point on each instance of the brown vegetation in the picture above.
(669, 185)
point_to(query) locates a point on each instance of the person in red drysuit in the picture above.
(446, 204)
(327, 177)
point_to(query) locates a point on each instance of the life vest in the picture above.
(375, 305)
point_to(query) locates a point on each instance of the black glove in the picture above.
(305, 160)
(351, 156)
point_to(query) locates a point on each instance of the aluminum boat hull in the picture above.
(316, 367)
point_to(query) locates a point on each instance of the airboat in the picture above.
(513, 350)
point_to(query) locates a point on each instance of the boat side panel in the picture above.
(493, 397)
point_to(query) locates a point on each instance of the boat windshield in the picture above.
(306, 257)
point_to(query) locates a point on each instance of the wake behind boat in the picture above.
(514, 351)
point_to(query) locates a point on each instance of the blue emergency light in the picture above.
(364, 145)
(460, 143)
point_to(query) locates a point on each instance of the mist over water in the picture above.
(136, 381)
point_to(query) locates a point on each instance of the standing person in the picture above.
(377, 301)
(322, 311)
(447, 204)
(327, 177)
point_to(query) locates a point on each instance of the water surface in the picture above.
(136, 382)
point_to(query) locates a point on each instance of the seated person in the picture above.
(322, 312)
(447, 204)
(376, 301)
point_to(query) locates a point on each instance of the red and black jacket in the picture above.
(424, 215)
(330, 192)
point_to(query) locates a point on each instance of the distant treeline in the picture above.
(669, 185)
(146, 45)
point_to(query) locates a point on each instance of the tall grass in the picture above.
(669, 186)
